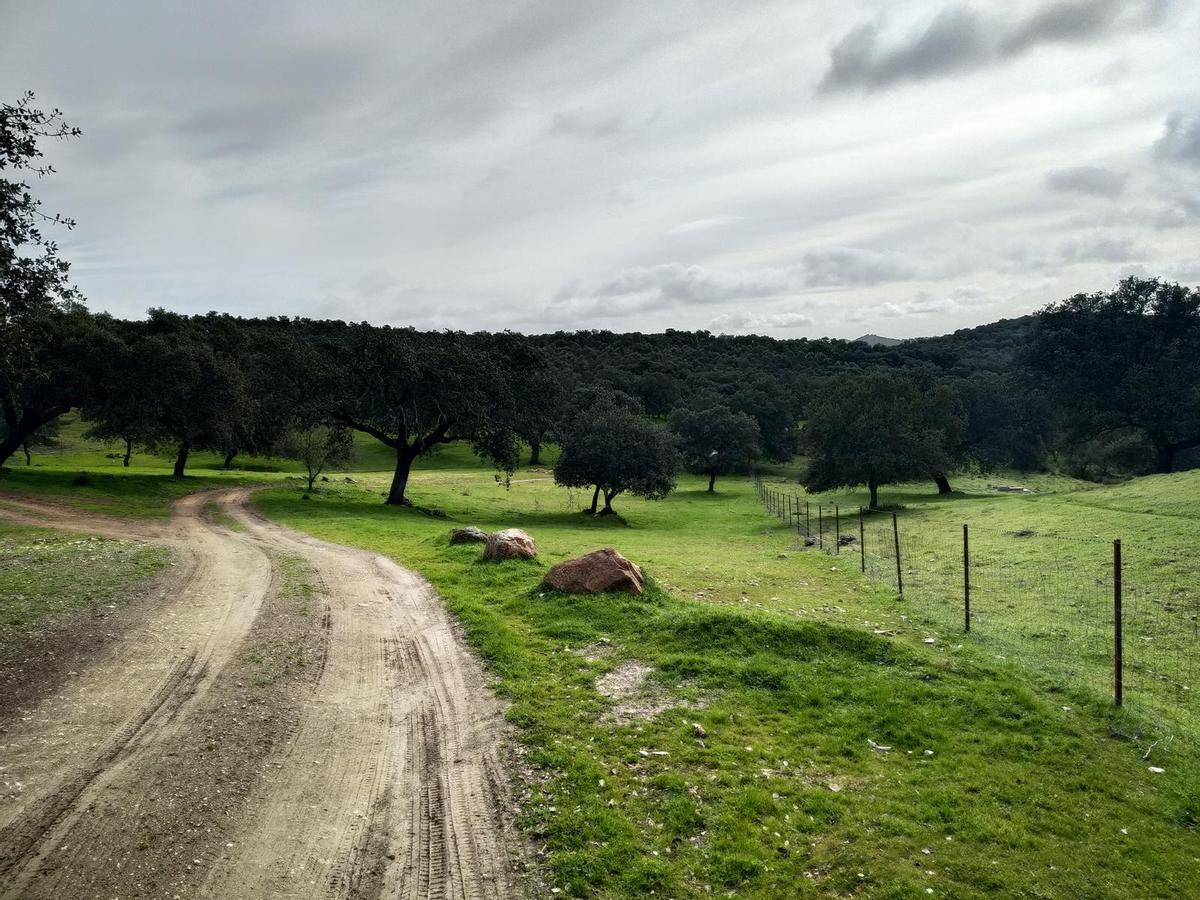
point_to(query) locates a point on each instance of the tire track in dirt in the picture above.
(392, 785)
(388, 782)
(125, 708)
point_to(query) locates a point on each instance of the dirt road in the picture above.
(233, 744)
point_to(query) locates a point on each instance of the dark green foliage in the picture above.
(35, 292)
(414, 390)
(66, 356)
(880, 428)
(1127, 359)
(610, 447)
(716, 441)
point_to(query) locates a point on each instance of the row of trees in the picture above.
(1104, 378)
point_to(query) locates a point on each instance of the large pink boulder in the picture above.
(596, 573)
(511, 543)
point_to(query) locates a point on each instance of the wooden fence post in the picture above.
(896, 539)
(966, 579)
(862, 542)
(1118, 674)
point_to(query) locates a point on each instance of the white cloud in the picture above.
(730, 323)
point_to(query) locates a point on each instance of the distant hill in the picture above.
(878, 340)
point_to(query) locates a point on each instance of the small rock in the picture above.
(468, 535)
(511, 543)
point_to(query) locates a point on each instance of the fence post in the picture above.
(896, 538)
(1118, 679)
(807, 520)
(837, 530)
(966, 579)
(820, 526)
(862, 542)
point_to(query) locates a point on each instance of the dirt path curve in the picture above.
(388, 784)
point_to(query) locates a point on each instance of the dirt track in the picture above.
(371, 769)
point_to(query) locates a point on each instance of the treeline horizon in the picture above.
(1097, 384)
(1060, 386)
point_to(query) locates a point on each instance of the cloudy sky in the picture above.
(798, 169)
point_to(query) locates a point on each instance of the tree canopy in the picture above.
(716, 441)
(1127, 359)
(609, 447)
(876, 428)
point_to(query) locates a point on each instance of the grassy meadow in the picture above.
(752, 762)
(1042, 576)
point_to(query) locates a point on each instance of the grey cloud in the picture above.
(854, 266)
(1180, 141)
(592, 126)
(959, 38)
(954, 40)
(1098, 248)
(676, 283)
(1061, 22)
(1094, 180)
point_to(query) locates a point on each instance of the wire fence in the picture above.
(1118, 620)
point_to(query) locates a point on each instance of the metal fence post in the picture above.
(896, 538)
(1118, 679)
(862, 541)
(837, 530)
(820, 526)
(807, 520)
(966, 579)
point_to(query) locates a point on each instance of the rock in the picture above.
(468, 535)
(810, 541)
(845, 540)
(596, 573)
(511, 543)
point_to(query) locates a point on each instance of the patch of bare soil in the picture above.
(37, 662)
(633, 696)
(236, 747)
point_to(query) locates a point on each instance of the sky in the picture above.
(796, 169)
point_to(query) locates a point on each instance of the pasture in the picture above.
(749, 759)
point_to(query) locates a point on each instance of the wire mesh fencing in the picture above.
(1120, 620)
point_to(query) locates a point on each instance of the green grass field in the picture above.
(997, 782)
(1042, 577)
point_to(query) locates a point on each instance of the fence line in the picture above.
(1072, 609)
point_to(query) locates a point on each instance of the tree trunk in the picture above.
(404, 461)
(535, 453)
(28, 455)
(181, 459)
(128, 452)
(24, 430)
(595, 500)
(1165, 461)
(712, 480)
(942, 482)
(11, 443)
(609, 496)
(873, 487)
(230, 456)
(312, 477)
